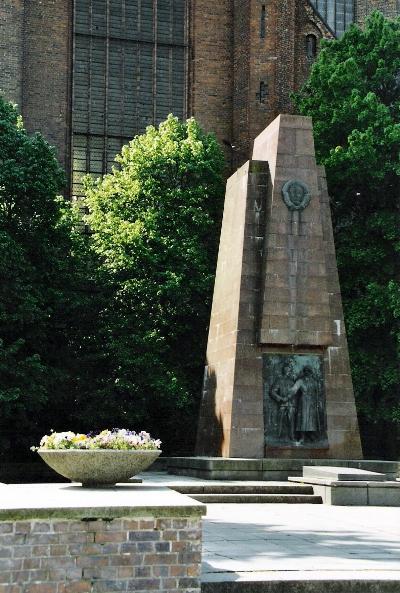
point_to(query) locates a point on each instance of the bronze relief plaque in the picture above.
(294, 401)
(296, 195)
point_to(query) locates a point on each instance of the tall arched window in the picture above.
(311, 47)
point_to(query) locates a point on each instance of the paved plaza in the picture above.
(292, 542)
(305, 542)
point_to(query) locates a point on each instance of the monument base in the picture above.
(267, 469)
(291, 453)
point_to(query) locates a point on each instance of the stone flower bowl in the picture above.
(98, 467)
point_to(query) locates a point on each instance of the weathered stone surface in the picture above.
(302, 259)
(387, 494)
(277, 294)
(342, 473)
(70, 501)
(229, 425)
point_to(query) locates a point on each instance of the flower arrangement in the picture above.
(117, 439)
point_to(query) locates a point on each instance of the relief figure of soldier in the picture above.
(306, 389)
(282, 393)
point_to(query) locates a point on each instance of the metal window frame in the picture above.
(110, 35)
(328, 9)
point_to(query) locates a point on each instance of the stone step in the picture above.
(243, 488)
(268, 469)
(257, 498)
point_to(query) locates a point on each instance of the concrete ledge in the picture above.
(70, 501)
(386, 494)
(339, 474)
(357, 493)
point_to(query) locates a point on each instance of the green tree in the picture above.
(353, 96)
(154, 223)
(37, 286)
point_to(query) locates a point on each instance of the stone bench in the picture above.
(350, 486)
(61, 537)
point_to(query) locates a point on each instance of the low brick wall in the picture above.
(100, 556)
(65, 539)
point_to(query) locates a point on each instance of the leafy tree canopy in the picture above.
(34, 247)
(154, 227)
(106, 329)
(353, 96)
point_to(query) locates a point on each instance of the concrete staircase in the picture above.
(249, 493)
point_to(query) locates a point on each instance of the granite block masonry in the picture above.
(277, 381)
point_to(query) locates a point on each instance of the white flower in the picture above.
(106, 439)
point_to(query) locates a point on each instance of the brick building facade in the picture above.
(390, 8)
(36, 66)
(90, 74)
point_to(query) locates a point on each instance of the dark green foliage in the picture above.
(353, 95)
(35, 275)
(154, 224)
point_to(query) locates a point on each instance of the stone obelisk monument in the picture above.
(277, 381)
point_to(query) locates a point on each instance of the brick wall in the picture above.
(390, 8)
(241, 78)
(285, 58)
(11, 50)
(46, 73)
(270, 61)
(265, 62)
(264, 36)
(210, 63)
(100, 556)
(246, 60)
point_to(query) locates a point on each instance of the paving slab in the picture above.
(301, 544)
(280, 548)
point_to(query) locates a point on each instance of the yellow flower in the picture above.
(79, 437)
